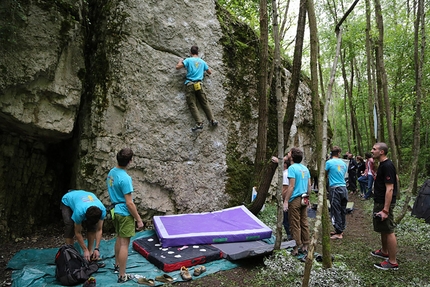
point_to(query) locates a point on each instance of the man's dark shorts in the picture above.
(69, 229)
(386, 226)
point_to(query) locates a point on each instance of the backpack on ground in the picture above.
(71, 267)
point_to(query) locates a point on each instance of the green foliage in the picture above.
(400, 68)
(269, 215)
(416, 233)
(245, 10)
(353, 265)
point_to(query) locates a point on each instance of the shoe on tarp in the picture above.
(185, 274)
(146, 281)
(164, 278)
(199, 270)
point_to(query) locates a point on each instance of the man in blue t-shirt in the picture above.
(196, 69)
(336, 169)
(120, 188)
(299, 185)
(82, 207)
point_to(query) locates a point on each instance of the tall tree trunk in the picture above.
(322, 202)
(355, 129)
(345, 106)
(370, 80)
(384, 83)
(318, 124)
(348, 103)
(295, 73)
(260, 155)
(284, 29)
(269, 169)
(419, 53)
(280, 109)
(380, 112)
(354, 67)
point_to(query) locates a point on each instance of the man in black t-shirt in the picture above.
(385, 191)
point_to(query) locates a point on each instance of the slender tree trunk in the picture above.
(270, 168)
(318, 124)
(384, 83)
(282, 32)
(322, 202)
(356, 130)
(359, 93)
(370, 80)
(379, 100)
(398, 110)
(348, 103)
(260, 156)
(419, 55)
(283, 29)
(296, 72)
(280, 109)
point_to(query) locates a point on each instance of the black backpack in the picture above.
(71, 267)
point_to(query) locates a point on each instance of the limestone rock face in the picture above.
(81, 80)
(42, 54)
(174, 169)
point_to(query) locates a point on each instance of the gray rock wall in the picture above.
(81, 80)
(174, 169)
(42, 54)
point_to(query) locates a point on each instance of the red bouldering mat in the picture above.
(170, 259)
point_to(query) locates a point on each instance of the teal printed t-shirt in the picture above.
(79, 201)
(196, 68)
(119, 183)
(301, 175)
(336, 169)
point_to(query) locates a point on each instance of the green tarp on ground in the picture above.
(36, 267)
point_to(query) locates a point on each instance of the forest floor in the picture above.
(359, 238)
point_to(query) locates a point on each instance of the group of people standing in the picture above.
(296, 183)
(80, 207)
(385, 182)
(363, 170)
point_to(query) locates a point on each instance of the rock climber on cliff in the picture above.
(196, 68)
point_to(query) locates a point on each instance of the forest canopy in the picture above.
(357, 113)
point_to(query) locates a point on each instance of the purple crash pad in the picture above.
(228, 225)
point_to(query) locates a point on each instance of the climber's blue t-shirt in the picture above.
(196, 68)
